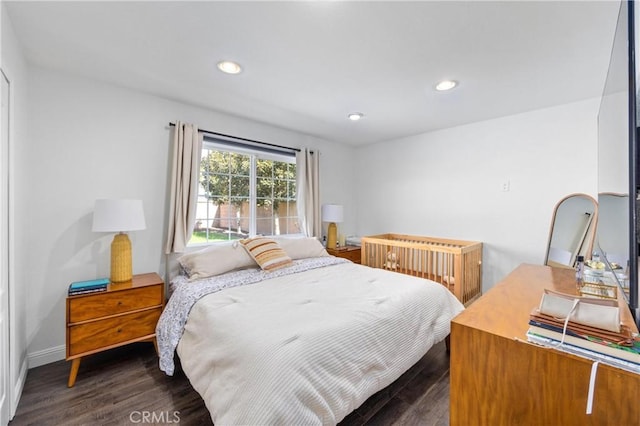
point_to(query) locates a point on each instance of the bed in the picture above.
(304, 343)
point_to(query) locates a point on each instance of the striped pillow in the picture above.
(266, 252)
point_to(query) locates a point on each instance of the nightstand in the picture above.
(125, 313)
(347, 252)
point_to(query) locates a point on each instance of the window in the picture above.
(244, 191)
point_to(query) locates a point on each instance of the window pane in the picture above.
(280, 170)
(287, 217)
(201, 225)
(216, 201)
(240, 164)
(265, 210)
(204, 161)
(216, 185)
(218, 162)
(291, 171)
(264, 188)
(243, 218)
(264, 168)
(280, 189)
(287, 208)
(264, 226)
(240, 186)
(292, 190)
(227, 222)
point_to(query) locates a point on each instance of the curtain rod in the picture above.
(244, 139)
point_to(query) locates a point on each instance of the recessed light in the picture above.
(446, 85)
(229, 67)
(355, 116)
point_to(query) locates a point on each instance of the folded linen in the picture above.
(599, 313)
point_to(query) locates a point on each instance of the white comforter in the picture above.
(310, 347)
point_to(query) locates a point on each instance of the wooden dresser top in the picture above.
(504, 310)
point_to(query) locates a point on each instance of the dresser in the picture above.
(125, 313)
(498, 378)
(352, 253)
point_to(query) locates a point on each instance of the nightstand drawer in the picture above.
(352, 255)
(102, 333)
(104, 304)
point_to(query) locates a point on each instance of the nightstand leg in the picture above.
(155, 345)
(75, 365)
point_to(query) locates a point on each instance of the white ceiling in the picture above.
(308, 64)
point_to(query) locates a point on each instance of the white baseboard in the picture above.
(46, 356)
(17, 387)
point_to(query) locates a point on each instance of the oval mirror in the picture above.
(572, 231)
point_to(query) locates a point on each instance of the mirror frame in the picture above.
(591, 230)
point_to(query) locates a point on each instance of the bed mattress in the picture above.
(311, 346)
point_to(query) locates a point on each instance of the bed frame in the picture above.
(455, 264)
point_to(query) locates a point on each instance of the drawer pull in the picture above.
(119, 330)
(119, 302)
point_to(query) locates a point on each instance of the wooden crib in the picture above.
(453, 263)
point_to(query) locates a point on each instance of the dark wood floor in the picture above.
(118, 387)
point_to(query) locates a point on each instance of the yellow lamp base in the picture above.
(332, 235)
(121, 268)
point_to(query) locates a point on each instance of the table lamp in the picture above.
(119, 216)
(332, 213)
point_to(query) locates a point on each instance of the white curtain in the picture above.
(185, 171)
(308, 184)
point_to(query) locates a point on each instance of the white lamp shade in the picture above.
(118, 216)
(332, 213)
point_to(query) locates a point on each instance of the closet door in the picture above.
(5, 376)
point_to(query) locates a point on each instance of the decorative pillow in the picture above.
(266, 252)
(302, 247)
(215, 260)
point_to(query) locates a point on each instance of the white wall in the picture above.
(91, 140)
(448, 183)
(15, 68)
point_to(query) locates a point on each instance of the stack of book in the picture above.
(90, 286)
(618, 348)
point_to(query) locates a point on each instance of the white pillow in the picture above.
(302, 247)
(215, 260)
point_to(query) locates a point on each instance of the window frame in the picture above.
(255, 153)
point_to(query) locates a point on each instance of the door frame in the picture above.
(17, 359)
(6, 399)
